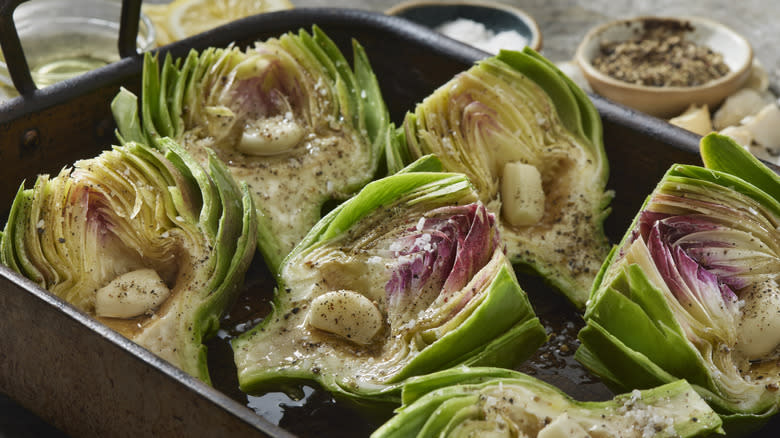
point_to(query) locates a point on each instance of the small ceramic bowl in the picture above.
(668, 101)
(496, 17)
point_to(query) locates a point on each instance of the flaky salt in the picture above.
(477, 35)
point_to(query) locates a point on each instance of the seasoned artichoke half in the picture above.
(407, 277)
(288, 117)
(152, 245)
(489, 402)
(530, 140)
(692, 291)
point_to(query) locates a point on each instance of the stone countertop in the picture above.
(563, 23)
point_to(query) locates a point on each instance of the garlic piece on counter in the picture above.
(736, 107)
(695, 119)
(758, 79)
(131, 294)
(765, 127)
(739, 134)
(347, 314)
(758, 334)
(270, 136)
(522, 194)
(563, 427)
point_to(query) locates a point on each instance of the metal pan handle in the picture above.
(16, 62)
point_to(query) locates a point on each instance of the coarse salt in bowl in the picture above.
(487, 26)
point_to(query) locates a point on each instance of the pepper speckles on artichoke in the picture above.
(489, 402)
(531, 143)
(692, 291)
(407, 277)
(151, 244)
(287, 116)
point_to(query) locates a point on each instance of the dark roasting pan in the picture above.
(89, 381)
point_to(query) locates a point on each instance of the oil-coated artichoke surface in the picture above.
(152, 245)
(405, 278)
(470, 402)
(692, 291)
(530, 140)
(288, 117)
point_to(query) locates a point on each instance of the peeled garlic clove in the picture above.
(522, 195)
(736, 107)
(347, 314)
(563, 427)
(759, 331)
(765, 127)
(271, 136)
(131, 294)
(695, 119)
(758, 79)
(739, 134)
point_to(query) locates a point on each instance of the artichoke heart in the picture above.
(407, 277)
(151, 244)
(489, 402)
(288, 117)
(530, 140)
(692, 291)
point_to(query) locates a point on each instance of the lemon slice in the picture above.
(190, 17)
(158, 13)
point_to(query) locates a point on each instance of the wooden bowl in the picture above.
(667, 101)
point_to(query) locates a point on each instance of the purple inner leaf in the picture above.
(442, 251)
(274, 91)
(680, 263)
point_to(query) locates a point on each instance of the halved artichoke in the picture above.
(407, 277)
(530, 140)
(692, 291)
(152, 245)
(489, 402)
(287, 116)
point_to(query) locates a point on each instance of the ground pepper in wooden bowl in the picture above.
(661, 65)
(661, 56)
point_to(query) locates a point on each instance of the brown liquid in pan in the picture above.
(317, 414)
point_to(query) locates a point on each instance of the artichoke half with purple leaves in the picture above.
(490, 402)
(531, 142)
(151, 244)
(407, 277)
(288, 117)
(692, 291)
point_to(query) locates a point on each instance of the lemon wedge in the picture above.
(158, 13)
(183, 18)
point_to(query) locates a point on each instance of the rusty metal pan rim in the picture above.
(272, 22)
(282, 21)
(217, 398)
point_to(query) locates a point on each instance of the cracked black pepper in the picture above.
(660, 55)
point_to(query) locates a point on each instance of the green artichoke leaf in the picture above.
(531, 142)
(692, 290)
(151, 244)
(405, 278)
(718, 152)
(288, 116)
(501, 403)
